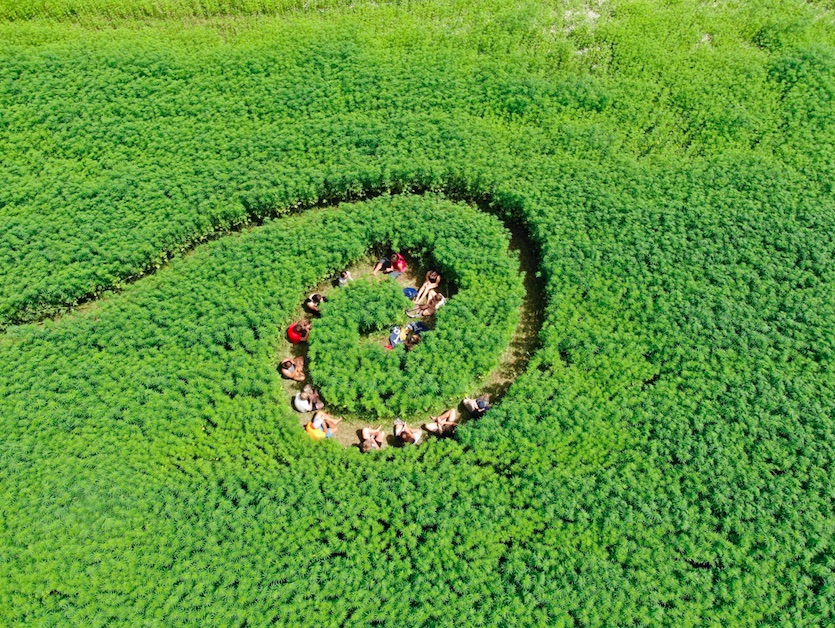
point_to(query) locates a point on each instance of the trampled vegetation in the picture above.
(666, 458)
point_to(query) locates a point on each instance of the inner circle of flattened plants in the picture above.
(470, 250)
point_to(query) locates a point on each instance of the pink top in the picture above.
(398, 262)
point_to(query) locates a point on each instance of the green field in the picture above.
(176, 175)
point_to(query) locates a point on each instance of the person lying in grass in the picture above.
(412, 340)
(313, 302)
(293, 368)
(435, 302)
(308, 400)
(433, 280)
(412, 330)
(372, 439)
(479, 406)
(443, 424)
(396, 264)
(323, 425)
(298, 332)
(404, 434)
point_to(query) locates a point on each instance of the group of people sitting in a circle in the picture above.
(427, 301)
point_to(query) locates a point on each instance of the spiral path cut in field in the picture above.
(468, 337)
(662, 450)
(361, 380)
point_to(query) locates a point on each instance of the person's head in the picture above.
(318, 421)
(433, 276)
(483, 402)
(287, 363)
(412, 340)
(344, 274)
(369, 444)
(317, 298)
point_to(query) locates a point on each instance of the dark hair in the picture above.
(433, 274)
(367, 445)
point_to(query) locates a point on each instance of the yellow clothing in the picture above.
(316, 433)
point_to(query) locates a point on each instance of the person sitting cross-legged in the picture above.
(371, 439)
(433, 280)
(443, 424)
(404, 434)
(323, 425)
(479, 406)
(308, 400)
(313, 302)
(293, 368)
(298, 332)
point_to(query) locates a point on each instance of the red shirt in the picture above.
(294, 336)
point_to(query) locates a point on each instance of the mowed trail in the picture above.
(513, 362)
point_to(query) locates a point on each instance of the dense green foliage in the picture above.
(667, 458)
(107, 9)
(356, 375)
(470, 333)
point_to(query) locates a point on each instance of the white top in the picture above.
(302, 405)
